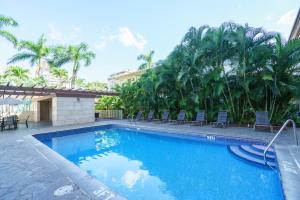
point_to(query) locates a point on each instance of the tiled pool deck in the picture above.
(30, 170)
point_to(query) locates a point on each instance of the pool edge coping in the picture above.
(289, 172)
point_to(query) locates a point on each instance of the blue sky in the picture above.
(120, 30)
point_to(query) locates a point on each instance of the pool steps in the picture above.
(253, 153)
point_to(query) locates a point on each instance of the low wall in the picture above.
(110, 114)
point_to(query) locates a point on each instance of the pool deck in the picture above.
(30, 170)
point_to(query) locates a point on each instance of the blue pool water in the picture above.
(146, 166)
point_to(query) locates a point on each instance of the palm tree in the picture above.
(232, 67)
(16, 74)
(78, 55)
(7, 21)
(217, 49)
(253, 51)
(148, 60)
(284, 82)
(59, 73)
(34, 52)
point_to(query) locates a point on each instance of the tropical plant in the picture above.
(59, 73)
(80, 83)
(16, 74)
(38, 81)
(232, 67)
(148, 60)
(96, 85)
(7, 22)
(109, 103)
(34, 52)
(3, 80)
(77, 55)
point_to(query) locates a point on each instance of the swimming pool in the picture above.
(141, 164)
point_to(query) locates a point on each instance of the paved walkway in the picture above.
(26, 173)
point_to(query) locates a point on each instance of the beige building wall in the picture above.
(124, 76)
(36, 111)
(72, 110)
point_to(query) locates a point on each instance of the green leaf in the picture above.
(267, 77)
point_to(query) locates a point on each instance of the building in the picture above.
(51, 80)
(124, 76)
(59, 106)
(295, 33)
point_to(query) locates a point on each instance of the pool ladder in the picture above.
(277, 134)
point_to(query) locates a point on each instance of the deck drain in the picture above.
(67, 189)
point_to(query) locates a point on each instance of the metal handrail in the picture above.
(277, 134)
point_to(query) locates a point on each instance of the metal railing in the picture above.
(277, 134)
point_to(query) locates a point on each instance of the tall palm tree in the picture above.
(148, 60)
(7, 21)
(16, 74)
(35, 52)
(77, 55)
(217, 49)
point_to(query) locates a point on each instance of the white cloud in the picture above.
(287, 18)
(104, 40)
(269, 17)
(130, 178)
(63, 38)
(76, 28)
(55, 34)
(125, 36)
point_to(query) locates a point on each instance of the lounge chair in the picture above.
(222, 119)
(165, 116)
(181, 117)
(138, 117)
(262, 120)
(7, 122)
(16, 121)
(200, 118)
(150, 116)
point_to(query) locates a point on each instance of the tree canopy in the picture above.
(77, 55)
(35, 52)
(7, 22)
(232, 67)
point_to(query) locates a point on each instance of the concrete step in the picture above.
(236, 150)
(248, 149)
(261, 148)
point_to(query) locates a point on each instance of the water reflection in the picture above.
(126, 176)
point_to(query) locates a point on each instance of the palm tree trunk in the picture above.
(74, 76)
(73, 79)
(38, 69)
(229, 92)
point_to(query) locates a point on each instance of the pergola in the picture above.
(8, 90)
